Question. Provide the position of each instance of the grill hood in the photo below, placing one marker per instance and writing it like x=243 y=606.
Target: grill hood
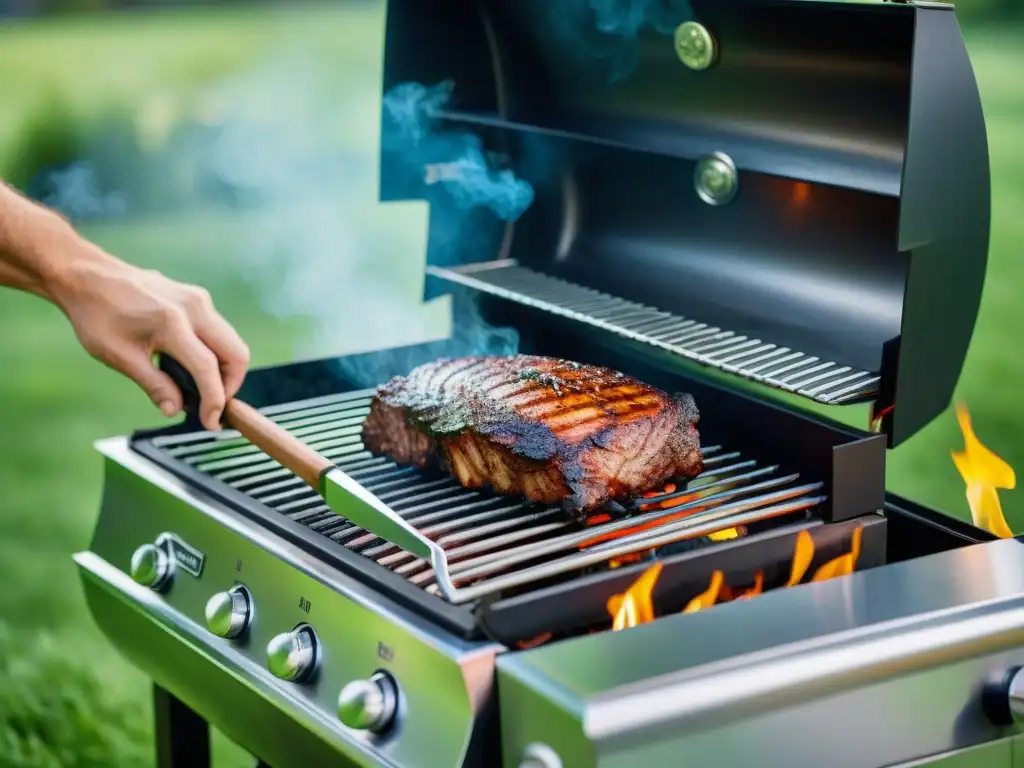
x=810 y=211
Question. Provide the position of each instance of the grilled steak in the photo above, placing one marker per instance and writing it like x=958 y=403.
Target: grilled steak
x=550 y=430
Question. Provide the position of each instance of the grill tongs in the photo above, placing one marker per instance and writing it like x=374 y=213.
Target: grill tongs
x=342 y=494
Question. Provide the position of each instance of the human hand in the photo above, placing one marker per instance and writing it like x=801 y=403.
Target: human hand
x=123 y=316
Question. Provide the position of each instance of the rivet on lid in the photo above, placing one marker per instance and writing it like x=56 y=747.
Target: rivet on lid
x=694 y=45
x=716 y=179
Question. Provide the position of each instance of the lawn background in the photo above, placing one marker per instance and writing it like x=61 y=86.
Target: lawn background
x=65 y=698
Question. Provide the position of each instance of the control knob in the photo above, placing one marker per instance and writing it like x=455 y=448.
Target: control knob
x=369 y=705
x=1002 y=697
x=151 y=566
x=228 y=613
x=540 y=756
x=293 y=655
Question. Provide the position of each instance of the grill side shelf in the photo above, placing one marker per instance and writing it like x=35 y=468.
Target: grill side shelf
x=719 y=348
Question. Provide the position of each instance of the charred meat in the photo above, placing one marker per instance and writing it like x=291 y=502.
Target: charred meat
x=550 y=430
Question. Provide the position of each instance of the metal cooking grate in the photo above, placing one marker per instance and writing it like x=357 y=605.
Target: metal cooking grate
x=753 y=359
x=493 y=543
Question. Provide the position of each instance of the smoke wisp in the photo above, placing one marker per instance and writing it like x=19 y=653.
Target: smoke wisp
x=292 y=162
x=470 y=195
x=606 y=34
x=454 y=159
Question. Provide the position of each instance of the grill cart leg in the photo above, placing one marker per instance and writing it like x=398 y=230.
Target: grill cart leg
x=182 y=736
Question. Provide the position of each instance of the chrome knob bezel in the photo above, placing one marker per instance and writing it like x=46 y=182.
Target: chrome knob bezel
x=294 y=656
x=151 y=567
x=538 y=755
x=1015 y=695
x=229 y=614
x=369 y=705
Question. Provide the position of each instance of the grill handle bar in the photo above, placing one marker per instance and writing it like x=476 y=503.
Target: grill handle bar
x=343 y=496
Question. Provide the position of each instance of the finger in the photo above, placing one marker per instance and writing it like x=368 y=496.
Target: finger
x=158 y=385
x=233 y=353
x=181 y=342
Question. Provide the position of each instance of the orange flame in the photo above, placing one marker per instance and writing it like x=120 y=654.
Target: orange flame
x=803 y=554
x=842 y=565
x=756 y=589
x=603 y=517
x=729 y=594
x=632 y=557
x=709 y=597
x=801 y=193
x=983 y=472
x=534 y=642
x=634 y=606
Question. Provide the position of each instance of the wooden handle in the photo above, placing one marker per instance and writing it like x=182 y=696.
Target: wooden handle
x=276 y=442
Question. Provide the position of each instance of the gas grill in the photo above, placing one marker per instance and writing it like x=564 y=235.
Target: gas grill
x=735 y=200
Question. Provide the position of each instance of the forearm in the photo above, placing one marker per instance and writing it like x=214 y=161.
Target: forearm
x=38 y=248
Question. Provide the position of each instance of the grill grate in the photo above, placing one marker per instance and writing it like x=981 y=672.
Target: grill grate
x=760 y=361
x=493 y=543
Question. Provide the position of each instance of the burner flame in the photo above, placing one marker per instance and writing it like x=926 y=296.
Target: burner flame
x=983 y=473
x=708 y=597
x=842 y=565
x=635 y=606
x=803 y=554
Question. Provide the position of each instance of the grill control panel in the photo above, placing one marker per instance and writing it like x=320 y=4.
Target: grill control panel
x=323 y=658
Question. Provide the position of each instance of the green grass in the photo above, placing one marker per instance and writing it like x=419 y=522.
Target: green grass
x=66 y=699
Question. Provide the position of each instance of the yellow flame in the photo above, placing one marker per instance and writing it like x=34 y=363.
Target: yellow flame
x=843 y=565
x=709 y=597
x=634 y=606
x=728 y=533
x=983 y=472
x=803 y=554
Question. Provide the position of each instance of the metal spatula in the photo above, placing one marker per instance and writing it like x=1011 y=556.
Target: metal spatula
x=342 y=494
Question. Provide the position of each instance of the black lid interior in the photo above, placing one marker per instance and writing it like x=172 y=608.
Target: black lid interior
x=858 y=234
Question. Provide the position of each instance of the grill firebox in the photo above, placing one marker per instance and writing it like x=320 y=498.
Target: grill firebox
x=498 y=546
x=513 y=562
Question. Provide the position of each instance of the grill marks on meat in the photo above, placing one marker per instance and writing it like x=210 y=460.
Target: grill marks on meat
x=550 y=430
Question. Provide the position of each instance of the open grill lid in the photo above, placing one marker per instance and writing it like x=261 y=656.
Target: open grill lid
x=793 y=192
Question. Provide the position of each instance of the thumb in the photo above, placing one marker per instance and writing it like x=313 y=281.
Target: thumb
x=158 y=385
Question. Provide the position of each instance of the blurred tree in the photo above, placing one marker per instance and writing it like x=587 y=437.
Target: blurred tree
x=73 y=6
x=15 y=8
x=1014 y=8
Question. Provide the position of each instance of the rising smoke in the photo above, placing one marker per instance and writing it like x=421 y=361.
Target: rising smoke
x=300 y=159
x=279 y=150
x=468 y=194
x=605 y=34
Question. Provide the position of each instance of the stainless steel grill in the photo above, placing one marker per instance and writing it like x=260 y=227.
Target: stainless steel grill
x=761 y=361
x=493 y=543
